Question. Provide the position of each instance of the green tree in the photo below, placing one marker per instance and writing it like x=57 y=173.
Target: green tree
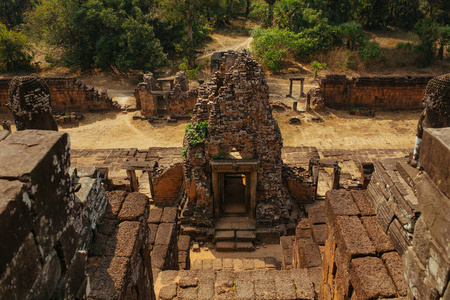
x=14 y=50
x=428 y=32
x=294 y=16
x=261 y=11
x=100 y=33
x=404 y=13
x=351 y=34
x=444 y=40
x=372 y=13
x=12 y=11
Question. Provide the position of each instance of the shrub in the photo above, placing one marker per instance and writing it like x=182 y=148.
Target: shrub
x=191 y=74
x=197 y=133
x=261 y=12
x=318 y=66
x=14 y=51
x=370 y=52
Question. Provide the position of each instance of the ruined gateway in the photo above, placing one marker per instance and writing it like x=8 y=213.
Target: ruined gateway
x=77 y=233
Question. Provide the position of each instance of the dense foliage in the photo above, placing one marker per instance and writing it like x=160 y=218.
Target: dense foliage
x=14 y=50
x=307 y=28
x=141 y=34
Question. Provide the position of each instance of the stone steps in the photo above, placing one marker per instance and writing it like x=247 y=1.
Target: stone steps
x=234 y=264
x=234 y=234
x=229 y=284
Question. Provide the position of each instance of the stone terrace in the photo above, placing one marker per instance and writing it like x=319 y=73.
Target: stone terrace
x=298 y=156
x=256 y=284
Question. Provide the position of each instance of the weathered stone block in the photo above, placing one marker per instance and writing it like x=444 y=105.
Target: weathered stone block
x=115 y=200
x=303 y=283
x=439 y=266
x=435 y=156
x=376 y=234
x=339 y=203
x=399 y=236
x=188 y=278
x=363 y=204
x=153 y=228
x=165 y=234
x=319 y=232
x=394 y=266
x=352 y=236
x=370 y=278
x=126 y=241
x=184 y=242
x=134 y=208
x=435 y=208
x=15 y=219
x=169 y=214
x=110 y=279
x=420 y=285
x=25 y=262
x=317 y=215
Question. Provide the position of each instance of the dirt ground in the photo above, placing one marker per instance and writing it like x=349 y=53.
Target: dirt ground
x=338 y=129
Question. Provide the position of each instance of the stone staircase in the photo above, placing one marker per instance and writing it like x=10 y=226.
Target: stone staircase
x=234 y=234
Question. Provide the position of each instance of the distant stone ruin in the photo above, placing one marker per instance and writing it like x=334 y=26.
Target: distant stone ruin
x=382 y=93
x=154 y=98
x=242 y=139
x=30 y=103
x=68 y=95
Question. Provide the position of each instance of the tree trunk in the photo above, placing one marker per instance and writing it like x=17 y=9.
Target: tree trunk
x=441 y=52
x=189 y=24
x=247 y=9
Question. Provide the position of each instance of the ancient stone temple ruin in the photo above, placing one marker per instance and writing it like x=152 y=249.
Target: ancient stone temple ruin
x=30 y=103
x=234 y=138
x=72 y=226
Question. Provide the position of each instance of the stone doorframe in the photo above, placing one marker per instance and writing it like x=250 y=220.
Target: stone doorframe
x=245 y=166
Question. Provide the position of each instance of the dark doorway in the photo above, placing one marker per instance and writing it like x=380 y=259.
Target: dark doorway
x=234 y=194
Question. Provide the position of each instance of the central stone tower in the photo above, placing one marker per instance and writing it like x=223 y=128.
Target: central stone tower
x=232 y=149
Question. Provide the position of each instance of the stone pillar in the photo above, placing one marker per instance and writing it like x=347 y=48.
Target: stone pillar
x=216 y=191
x=134 y=183
x=290 y=88
x=253 y=183
x=301 y=88
x=308 y=102
x=294 y=106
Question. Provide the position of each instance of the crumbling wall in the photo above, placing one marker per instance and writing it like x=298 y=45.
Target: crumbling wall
x=47 y=217
x=67 y=94
x=388 y=93
x=359 y=261
x=236 y=106
x=167 y=183
x=413 y=208
x=299 y=184
x=120 y=262
x=180 y=100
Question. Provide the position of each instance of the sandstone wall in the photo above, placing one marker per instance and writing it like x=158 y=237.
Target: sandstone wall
x=359 y=262
x=167 y=183
x=120 y=262
x=413 y=208
x=387 y=93
x=67 y=94
x=46 y=224
x=179 y=101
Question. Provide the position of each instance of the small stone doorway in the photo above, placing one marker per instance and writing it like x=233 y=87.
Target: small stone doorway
x=235 y=198
x=239 y=194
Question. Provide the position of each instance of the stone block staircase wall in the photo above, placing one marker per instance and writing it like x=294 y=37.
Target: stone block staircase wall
x=234 y=234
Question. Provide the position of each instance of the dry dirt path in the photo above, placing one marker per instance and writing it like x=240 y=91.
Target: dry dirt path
x=221 y=42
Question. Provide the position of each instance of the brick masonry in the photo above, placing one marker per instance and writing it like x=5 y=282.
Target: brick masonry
x=387 y=93
x=67 y=94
